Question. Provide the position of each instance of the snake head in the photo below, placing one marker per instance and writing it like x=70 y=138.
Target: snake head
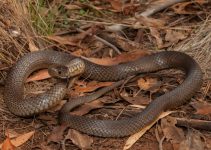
x=73 y=68
x=58 y=71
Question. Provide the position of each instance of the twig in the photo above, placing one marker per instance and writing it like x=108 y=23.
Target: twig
x=156 y=8
x=194 y=123
x=161 y=143
x=148 y=12
x=103 y=41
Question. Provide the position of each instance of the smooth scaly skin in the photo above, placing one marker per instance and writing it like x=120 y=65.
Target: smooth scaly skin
x=15 y=101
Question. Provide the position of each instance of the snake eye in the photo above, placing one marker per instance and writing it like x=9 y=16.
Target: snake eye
x=59 y=72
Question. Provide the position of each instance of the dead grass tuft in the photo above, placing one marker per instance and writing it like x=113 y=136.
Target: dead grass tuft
x=199 y=46
x=15 y=31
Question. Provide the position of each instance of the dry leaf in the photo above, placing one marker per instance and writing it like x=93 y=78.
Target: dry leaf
x=202 y=108
x=12 y=134
x=193 y=141
x=84 y=109
x=57 y=134
x=18 y=141
x=174 y=36
x=7 y=145
x=148 y=22
x=180 y=8
x=116 y=4
x=122 y=58
x=171 y=132
x=133 y=138
x=147 y=83
x=40 y=75
x=70 y=40
x=92 y=86
x=83 y=141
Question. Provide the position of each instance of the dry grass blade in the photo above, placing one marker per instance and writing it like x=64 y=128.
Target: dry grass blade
x=133 y=138
x=199 y=46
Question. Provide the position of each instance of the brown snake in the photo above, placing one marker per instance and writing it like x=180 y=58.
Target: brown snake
x=17 y=104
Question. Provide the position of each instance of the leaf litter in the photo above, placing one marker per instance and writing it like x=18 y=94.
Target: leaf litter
x=157 y=32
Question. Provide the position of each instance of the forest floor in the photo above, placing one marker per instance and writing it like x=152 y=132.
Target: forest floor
x=108 y=33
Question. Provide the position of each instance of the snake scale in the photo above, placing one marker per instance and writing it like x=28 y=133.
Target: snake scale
x=21 y=106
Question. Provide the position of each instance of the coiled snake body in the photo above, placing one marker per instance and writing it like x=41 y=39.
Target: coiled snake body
x=17 y=104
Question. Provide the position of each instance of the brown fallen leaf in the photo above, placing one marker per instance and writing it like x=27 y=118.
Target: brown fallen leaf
x=174 y=36
x=193 y=141
x=116 y=4
x=91 y=86
x=148 y=83
x=18 y=141
x=40 y=75
x=180 y=8
x=172 y=133
x=57 y=134
x=12 y=133
x=122 y=58
x=84 y=109
x=7 y=145
x=203 y=108
x=83 y=141
x=133 y=138
x=70 y=40
x=149 y=22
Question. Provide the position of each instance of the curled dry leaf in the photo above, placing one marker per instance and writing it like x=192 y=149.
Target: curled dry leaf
x=70 y=40
x=7 y=145
x=174 y=36
x=91 y=86
x=122 y=58
x=148 y=83
x=193 y=141
x=180 y=8
x=171 y=132
x=202 y=108
x=133 y=138
x=83 y=141
x=18 y=141
x=57 y=134
x=116 y=4
x=40 y=75
x=149 y=22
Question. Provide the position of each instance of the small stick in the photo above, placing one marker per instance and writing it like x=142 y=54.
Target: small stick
x=194 y=123
x=148 y=12
x=103 y=41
